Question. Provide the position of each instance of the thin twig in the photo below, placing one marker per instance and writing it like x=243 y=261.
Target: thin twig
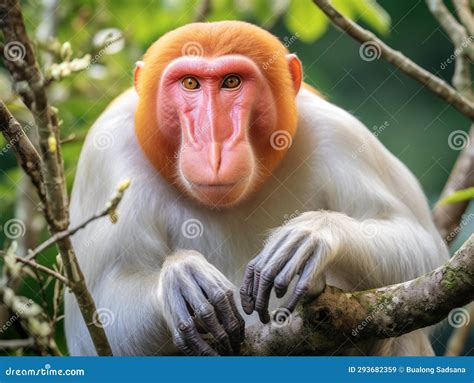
x=13 y=344
x=462 y=45
x=109 y=209
x=463 y=9
x=37 y=266
x=27 y=155
x=399 y=60
x=30 y=84
x=203 y=10
x=448 y=22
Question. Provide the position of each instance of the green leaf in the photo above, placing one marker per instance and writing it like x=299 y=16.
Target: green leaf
x=305 y=20
x=373 y=14
x=458 y=196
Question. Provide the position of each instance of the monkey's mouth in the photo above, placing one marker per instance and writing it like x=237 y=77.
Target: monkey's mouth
x=217 y=186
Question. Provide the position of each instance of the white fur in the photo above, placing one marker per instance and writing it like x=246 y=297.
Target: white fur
x=334 y=164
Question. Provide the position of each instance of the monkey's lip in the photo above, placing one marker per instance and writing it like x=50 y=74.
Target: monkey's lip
x=211 y=185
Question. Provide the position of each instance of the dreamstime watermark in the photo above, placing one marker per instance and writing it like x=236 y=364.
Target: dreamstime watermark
x=192 y=228
x=192 y=48
x=95 y=236
x=369 y=228
x=188 y=322
x=458 y=317
x=44 y=371
x=467 y=41
x=104 y=49
x=464 y=222
x=369 y=318
x=14 y=229
x=370 y=51
x=376 y=131
x=103 y=140
x=103 y=317
x=288 y=217
x=281 y=317
x=458 y=140
x=287 y=42
x=14 y=140
x=16 y=315
x=14 y=51
x=197 y=134
x=281 y=140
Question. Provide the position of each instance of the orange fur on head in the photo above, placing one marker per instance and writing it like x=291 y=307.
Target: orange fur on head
x=212 y=40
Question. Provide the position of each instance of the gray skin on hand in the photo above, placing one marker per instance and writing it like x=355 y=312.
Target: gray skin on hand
x=289 y=252
x=198 y=299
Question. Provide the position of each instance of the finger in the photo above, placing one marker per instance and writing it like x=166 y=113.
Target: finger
x=247 y=286
x=275 y=265
x=220 y=295
x=304 y=282
x=186 y=336
x=194 y=341
x=238 y=316
x=289 y=271
x=275 y=243
x=230 y=320
x=206 y=314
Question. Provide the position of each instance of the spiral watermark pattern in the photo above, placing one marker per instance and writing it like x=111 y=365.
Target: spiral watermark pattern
x=458 y=140
x=192 y=48
x=192 y=228
x=458 y=317
x=369 y=228
x=281 y=317
x=14 y=51
x=103 y=140
x=281 y=140
x=370 y=51
x=103 y=317
x=14 y=228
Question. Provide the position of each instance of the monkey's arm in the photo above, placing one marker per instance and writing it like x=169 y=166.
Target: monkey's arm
x=376 y=230
x=146 y=311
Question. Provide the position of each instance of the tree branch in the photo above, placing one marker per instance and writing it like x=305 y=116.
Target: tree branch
x=21 y=61
x=448 y=218
x=399 y=60
x=463 y=9
x=26 y=153
x=391 y=311
x=448 y=22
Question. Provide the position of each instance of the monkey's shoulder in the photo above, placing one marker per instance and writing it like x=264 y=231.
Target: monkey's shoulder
x=334 y=131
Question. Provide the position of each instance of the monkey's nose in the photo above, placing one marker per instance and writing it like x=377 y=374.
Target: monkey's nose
x=215 y=156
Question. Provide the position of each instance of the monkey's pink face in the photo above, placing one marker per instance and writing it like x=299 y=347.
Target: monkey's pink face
x=215 y=111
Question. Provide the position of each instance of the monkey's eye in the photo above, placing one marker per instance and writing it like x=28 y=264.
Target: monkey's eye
x=190 y=83
x=232 y=81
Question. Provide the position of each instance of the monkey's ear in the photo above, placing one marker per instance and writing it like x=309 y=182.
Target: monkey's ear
x=138 y=65
x=296 y=70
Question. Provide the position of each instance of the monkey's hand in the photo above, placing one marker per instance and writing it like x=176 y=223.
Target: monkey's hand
x=195 y=295
x=304 y=247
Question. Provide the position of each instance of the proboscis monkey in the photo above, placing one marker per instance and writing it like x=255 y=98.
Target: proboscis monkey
x=240 y=177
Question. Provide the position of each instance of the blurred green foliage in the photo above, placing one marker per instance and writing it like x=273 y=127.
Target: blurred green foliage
x=459 y=196
x=418 y=123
